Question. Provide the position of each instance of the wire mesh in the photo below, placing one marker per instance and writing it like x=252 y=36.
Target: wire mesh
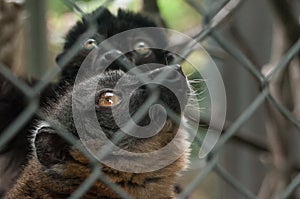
x=213 y=20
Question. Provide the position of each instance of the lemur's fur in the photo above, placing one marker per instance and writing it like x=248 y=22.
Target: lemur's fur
x=58 y=168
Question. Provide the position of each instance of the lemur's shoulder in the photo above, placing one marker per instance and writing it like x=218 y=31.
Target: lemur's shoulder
x=24 y=186
x=63 y=180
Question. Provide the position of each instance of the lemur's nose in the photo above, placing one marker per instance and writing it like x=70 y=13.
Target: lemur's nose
x=172 y=85
x=116 y=60
x=112 y=55
x=178 y=68
x=168 y=74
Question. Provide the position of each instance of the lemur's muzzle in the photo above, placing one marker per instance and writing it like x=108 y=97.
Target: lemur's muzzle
x=116 y=60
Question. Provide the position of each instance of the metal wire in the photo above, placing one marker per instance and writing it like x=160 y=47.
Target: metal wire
x=213 y=21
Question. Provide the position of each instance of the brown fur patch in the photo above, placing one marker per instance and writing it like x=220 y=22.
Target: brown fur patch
x=63 y=179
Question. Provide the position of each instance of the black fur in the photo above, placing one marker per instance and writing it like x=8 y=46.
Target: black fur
x=108 y=25
x=12 y=101
x=51 y=148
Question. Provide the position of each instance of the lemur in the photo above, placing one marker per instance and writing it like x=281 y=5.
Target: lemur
x=57 y=168
x=55 y=161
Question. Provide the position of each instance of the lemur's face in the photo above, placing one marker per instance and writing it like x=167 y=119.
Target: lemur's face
x=118 y=98
x=135 y=48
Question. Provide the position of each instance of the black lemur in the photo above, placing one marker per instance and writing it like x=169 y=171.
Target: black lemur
x=57 y=168
x=16 y=152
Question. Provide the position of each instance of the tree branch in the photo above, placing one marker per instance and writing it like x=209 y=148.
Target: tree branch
x=284 y=12
x=12 y=36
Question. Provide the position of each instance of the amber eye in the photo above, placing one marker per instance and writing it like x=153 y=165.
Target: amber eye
x=142 y=48
x=108 y=99
x=90 y=44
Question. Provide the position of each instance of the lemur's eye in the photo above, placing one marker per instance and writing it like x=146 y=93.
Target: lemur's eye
x=108 y=99
x=142 y=48
x=90 y=44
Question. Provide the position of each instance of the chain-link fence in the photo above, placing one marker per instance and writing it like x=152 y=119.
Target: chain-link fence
x=272 y=81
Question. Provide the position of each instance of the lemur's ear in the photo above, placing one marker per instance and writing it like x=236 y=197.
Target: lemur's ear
x=50 y=148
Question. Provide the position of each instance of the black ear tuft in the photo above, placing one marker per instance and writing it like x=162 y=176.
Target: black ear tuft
x=135 y=20
x=50 y=148
x=102 y=14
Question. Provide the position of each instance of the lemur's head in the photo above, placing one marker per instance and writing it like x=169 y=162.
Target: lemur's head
x=96 y=27
x=119 y=100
